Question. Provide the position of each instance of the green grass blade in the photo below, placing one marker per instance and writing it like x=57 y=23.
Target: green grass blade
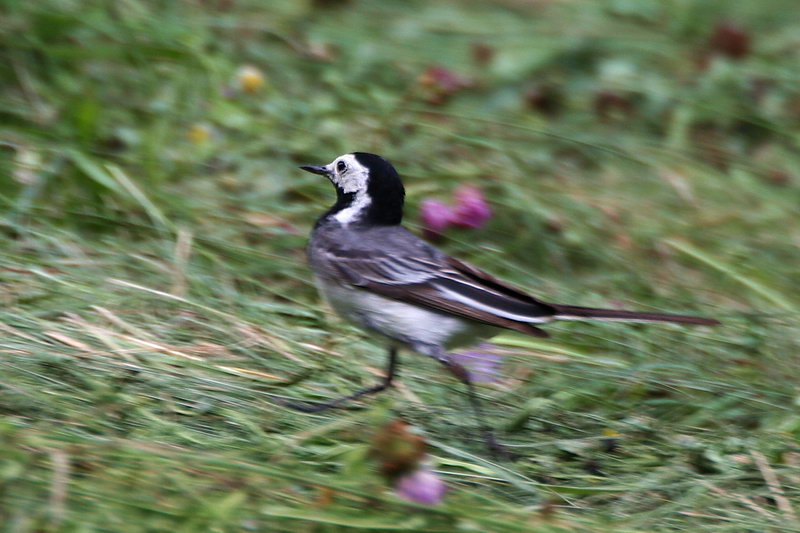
x=765 y=292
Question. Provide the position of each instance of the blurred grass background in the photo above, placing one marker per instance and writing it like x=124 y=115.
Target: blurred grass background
x=155 y=294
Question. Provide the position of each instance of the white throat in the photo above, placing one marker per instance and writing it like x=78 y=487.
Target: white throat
x=355 y=210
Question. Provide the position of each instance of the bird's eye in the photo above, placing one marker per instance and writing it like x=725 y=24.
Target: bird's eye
x=341 y=166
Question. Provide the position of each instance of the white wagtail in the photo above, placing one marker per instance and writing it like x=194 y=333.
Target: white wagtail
x=380 y=276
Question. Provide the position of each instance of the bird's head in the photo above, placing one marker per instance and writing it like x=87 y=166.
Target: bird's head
x=368 y=189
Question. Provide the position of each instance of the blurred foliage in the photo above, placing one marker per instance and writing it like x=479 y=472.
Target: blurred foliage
x=155 y=294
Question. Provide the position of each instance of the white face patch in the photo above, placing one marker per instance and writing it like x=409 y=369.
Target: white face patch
x=351 y=177
x=348 y=174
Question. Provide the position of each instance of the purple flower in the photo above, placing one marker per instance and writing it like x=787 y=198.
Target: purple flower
x=421 y=486
x=471 y=209
x=481 y=364
x=435 y=217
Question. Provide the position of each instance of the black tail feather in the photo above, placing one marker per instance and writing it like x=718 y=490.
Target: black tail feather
x=572 y=312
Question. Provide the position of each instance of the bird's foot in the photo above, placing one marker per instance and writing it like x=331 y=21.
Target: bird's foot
x=497 y=450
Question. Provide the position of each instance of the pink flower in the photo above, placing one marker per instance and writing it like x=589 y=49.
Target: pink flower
x=421 y=486
x=435 y=217
x=471 y=209
x=401 y=457
x=438 y=84
x=481 y=364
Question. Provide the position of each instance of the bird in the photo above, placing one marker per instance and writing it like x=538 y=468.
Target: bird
x=380 y=276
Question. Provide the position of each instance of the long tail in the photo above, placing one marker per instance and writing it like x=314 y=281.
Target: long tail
x=572 y=312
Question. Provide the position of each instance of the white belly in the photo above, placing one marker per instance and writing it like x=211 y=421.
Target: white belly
x=405 y=323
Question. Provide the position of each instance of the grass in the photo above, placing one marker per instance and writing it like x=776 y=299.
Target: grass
x=156 y=298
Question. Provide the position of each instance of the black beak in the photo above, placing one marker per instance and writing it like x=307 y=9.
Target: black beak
x=321 y=170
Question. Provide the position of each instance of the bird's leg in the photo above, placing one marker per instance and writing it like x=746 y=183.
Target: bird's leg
x=495 y=448
x=315 y=407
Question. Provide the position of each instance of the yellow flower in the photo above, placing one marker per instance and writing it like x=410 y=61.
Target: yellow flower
x=199 y=133
x=250 y=79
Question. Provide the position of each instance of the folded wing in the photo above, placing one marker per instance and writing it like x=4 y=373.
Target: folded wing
x=443 y=284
